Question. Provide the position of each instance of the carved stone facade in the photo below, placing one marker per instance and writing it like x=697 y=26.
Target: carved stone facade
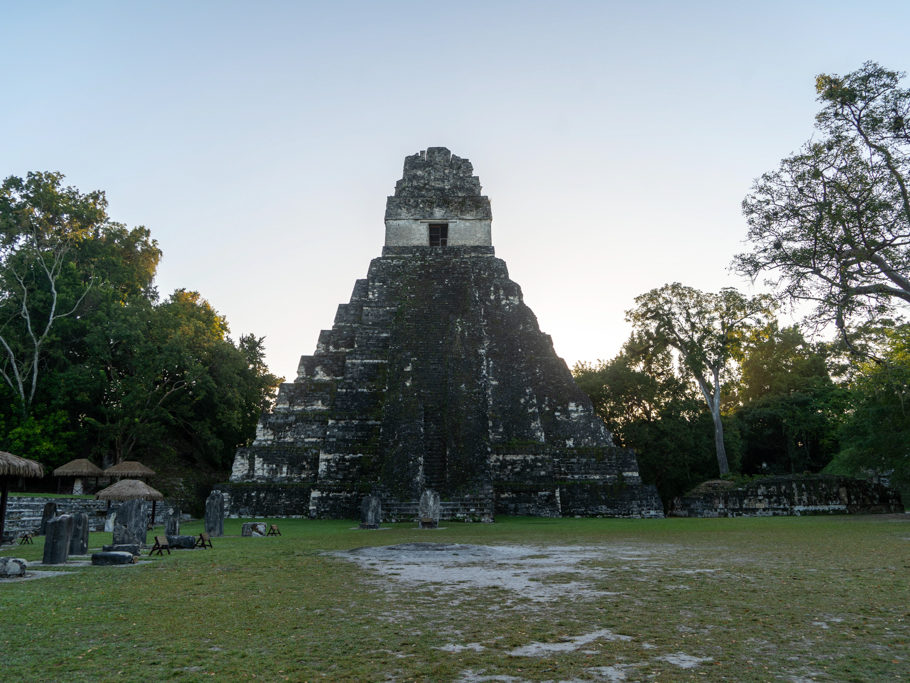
x=435 y=376
x=437 y=189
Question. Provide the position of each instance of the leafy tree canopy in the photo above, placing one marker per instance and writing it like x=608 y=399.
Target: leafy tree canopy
x=706 y=329
x=103 y=369
x=832 y=224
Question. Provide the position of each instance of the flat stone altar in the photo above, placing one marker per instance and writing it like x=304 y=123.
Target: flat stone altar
x=435 y=376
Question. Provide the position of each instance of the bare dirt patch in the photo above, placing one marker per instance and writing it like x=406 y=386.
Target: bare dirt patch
x=534 y=573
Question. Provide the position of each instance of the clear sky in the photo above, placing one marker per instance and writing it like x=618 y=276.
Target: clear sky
x=258 y=140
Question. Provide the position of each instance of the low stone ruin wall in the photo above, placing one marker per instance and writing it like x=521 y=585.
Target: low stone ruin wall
x=578 y=499
x=789 y=495
x=23 y=513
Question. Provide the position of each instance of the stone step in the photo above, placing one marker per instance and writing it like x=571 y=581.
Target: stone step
x=464 y=510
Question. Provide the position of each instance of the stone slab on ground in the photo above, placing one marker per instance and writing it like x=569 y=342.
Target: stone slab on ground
x=112 y=557
x=132 y=548
x=182 y=542
x=253 y=529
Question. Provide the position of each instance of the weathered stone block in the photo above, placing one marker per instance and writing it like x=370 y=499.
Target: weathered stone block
x=79 y=539
x=214 y=514
x=172 y=521
x=132 y=548
x=184 y=542
x=11 y=567
x=58 y=532
x=787 y=495
x=428 y=510
x=50 y=511
x=253 y=529
x=370 y=512
x=131 y=523
x=112 y=557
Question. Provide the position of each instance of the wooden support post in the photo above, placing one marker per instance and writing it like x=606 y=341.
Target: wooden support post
x=4 y=497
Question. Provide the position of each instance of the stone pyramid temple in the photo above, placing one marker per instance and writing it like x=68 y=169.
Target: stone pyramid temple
x=435 y=376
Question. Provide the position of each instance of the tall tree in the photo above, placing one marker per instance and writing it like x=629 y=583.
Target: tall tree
x=41 y=223
x=832 y=224
x=706 y=329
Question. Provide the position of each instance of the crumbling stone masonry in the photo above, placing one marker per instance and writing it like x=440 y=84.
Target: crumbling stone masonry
x=816 y=494
x=435 y=376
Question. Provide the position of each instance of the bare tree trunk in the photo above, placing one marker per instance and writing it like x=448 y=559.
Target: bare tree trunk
x=713 y=401
x=722 y=463
x=4 y=498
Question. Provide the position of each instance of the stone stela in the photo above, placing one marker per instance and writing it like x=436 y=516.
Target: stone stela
x=435 y=376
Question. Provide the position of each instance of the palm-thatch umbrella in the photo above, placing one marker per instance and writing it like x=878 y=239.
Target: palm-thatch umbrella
x=132 y=469
x=14 y=466
x=78 y=469
x=130 y=489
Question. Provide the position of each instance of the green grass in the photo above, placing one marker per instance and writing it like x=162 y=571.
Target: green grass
x=813 y=598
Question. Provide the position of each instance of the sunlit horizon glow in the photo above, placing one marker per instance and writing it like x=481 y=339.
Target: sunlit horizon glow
x=258 y=143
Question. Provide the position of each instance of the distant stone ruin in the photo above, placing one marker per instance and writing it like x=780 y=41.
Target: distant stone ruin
x=817 y=494
x=435 y=376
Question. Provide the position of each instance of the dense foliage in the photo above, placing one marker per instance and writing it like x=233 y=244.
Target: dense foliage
x=95 y=365
x=781 y=411
x=876 y=432
x=706 y=330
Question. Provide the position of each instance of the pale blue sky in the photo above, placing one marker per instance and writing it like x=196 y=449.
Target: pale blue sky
x=258 y=141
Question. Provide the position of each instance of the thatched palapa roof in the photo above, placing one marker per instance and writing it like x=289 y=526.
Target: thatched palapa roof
x=79 y=468
x=129 y=489
x=129 y=468
x=19 y=467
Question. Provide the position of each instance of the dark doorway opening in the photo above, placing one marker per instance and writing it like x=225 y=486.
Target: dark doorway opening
x=439 y=234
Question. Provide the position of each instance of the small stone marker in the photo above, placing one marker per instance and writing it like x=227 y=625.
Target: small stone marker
x=112 y=557
x=428 y=509
x=253 y=529
x=370 y=512
x=188 y=542
x=79 y=539
x=214 y=514
x=172 y=521
x=57 y=539
x=109 y=520
x=131 y=548
x=50 y=511
x=12 y=566
x=131 y=523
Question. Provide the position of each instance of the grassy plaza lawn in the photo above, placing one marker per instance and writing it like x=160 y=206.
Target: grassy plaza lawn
x=793 y=599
